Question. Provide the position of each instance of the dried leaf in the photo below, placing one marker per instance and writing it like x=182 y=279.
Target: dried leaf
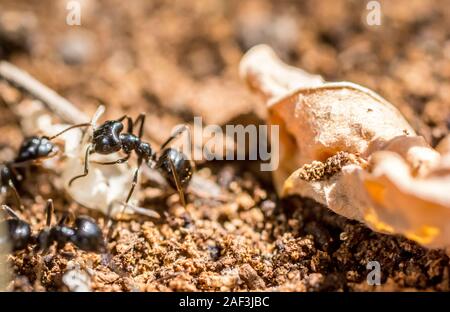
x=350 y=149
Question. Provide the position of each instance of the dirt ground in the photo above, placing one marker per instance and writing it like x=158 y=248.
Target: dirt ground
x=179 y=59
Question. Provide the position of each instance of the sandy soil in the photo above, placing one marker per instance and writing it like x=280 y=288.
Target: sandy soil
x=180 y=60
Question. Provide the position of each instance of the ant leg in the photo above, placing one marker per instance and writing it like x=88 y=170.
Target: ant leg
x=141 y=119
x=129 y=122
x=121 y=118
x=49 y=209
x=109 y=222
x=70 y=128
x=16 y=195
x=176 y=134
x=115 y=162
x=16 y=173
x=66 y=216
x=11 y=212
x=24 y=163
x=86 y=165
x=133 y=184
x=177 y=182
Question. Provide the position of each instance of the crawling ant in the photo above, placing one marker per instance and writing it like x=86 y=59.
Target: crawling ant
x=35 y=148
x=85 y=234
x=109 y=138
x=32 y=149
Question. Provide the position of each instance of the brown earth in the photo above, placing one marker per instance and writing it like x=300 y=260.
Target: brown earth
x=179 y=60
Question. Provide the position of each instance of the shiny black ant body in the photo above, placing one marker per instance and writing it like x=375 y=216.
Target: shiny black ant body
x=32 y=149
x=86 y=234
x=109 y=138
x=35 y=148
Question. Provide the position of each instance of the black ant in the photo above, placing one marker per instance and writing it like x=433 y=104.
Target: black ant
x=108 y=138
x=86 y=234
x=35 y=148
x=32 y=149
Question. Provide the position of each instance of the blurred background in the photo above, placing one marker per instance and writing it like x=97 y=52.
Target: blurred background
x=179 y=59
x=175 y=60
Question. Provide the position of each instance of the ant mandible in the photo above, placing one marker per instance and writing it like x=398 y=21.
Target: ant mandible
x=86 y=234
x=108 y=138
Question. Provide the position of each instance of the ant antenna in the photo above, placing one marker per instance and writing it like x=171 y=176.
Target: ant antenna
x=176 y=134
x=16 y=195
x=177 y=182
x=49 y=212
x=69 y=128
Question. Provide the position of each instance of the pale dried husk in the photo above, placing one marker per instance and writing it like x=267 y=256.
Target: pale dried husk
x=400 y=185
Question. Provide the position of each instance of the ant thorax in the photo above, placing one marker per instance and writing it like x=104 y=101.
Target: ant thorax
x=129 y=141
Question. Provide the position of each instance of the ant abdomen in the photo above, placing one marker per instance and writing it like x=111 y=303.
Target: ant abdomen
x=181 y=163
x=88 y=236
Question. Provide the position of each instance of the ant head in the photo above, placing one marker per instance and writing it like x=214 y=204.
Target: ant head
x=34 y=148
x=106 y=137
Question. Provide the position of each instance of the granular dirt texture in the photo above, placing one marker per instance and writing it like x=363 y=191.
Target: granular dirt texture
x=176 y=60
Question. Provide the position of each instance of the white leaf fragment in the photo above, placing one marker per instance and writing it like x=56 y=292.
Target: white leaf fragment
x=399 y=185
